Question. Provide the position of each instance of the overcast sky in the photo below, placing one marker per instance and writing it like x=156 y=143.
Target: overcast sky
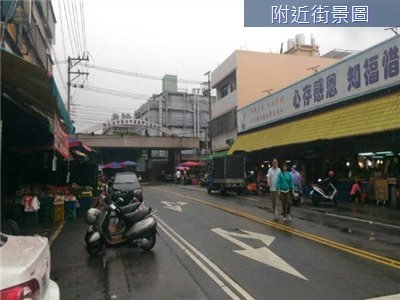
x=158 y=37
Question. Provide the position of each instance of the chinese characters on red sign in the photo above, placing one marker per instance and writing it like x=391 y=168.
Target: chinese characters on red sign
x=61 y=139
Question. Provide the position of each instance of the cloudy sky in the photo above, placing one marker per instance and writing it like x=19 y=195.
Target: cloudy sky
x=157 y=37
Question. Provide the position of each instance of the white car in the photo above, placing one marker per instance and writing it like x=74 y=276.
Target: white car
x=25 y=269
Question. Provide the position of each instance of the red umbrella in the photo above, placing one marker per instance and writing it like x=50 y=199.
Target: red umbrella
x=181 y=168
x=191 y=164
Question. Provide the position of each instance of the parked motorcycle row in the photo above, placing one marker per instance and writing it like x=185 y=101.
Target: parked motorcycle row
x=120 y=221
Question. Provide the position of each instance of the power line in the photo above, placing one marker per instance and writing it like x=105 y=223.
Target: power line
x=73 y=50
x=62 y=30
x=101 y=107
x=59 y=70
x=134 y=74
x=76 y=21
x=83 y=24
x=73 y=26
x=132 y=96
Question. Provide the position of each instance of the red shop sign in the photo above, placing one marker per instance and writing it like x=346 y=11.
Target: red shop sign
x=61 y=139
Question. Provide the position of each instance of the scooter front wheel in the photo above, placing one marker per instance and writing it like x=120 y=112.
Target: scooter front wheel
x=151 y=237
x=95 y=248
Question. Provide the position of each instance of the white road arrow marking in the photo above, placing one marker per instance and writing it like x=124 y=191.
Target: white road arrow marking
x=176 y=206
x=390 y=297
x=263 y=254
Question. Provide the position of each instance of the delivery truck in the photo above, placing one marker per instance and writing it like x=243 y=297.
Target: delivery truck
x=227 y=174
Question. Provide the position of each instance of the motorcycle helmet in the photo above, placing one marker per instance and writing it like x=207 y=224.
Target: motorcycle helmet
x=330 y=173
x=92 y=215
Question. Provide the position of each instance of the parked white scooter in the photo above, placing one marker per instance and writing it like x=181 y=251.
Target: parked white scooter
x=324 y=191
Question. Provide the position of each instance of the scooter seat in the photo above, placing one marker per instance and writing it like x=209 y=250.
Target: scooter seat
x=129 y=208
x=137 y=215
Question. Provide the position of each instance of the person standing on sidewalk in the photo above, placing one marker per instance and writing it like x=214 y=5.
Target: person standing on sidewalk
x=272 y=179
x=296 y=178
x=285 y=188
x=178 y=176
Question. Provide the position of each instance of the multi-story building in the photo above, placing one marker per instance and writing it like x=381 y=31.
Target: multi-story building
x=246 y=76
x=29 y=30
x=183 y=114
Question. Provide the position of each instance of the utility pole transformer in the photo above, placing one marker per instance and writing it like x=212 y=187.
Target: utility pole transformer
x=72 y=62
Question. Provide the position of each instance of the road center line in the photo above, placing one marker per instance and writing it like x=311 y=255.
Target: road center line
x=358 y=252
x=201 y=260
x=327 y=213
x=203 y=190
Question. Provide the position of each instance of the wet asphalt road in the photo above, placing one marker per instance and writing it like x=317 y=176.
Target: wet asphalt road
x=203 y=252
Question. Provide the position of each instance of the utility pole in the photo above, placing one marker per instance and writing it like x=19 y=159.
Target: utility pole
x=207 y=91
x=72 y=62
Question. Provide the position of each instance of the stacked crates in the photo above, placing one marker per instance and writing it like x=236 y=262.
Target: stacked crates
x=58 y=212
x=46 y=211
x=84 y=205
x=70 y=210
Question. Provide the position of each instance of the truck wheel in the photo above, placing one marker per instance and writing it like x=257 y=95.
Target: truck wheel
x=222 y=191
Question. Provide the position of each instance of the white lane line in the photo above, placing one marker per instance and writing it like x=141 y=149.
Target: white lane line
x=247 y=198
x=203 y=190
x=189 y=248
x=227 y=290
x=193 y=188
x=390 y=297
x=362 y=220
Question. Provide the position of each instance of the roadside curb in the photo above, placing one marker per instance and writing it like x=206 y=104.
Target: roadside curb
x=117 y=285
x=54 y=234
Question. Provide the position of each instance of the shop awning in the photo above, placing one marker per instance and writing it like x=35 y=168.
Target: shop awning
x=217 y=154
x=30 y=86
x=378 y=115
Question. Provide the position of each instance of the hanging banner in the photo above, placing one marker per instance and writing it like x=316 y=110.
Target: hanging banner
x=375 y=69
x=61 y=139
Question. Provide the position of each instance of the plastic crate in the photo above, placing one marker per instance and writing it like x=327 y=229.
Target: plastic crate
x=58 y=212
x=84 y=205
x=46 y=213
x=70 y=210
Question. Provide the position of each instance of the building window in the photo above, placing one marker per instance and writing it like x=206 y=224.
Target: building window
x=232 y=85
x=224 y=90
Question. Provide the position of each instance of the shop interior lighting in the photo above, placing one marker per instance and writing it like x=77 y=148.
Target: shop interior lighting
x=384 y=153
x=366 y=154
x=369 y=163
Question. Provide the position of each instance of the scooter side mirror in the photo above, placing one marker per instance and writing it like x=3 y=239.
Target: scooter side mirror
x=120 y=200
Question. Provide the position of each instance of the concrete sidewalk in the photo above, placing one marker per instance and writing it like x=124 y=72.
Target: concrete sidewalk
x=78 y=275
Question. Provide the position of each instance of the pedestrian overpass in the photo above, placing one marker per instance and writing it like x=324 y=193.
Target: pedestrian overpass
x=139 y=142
